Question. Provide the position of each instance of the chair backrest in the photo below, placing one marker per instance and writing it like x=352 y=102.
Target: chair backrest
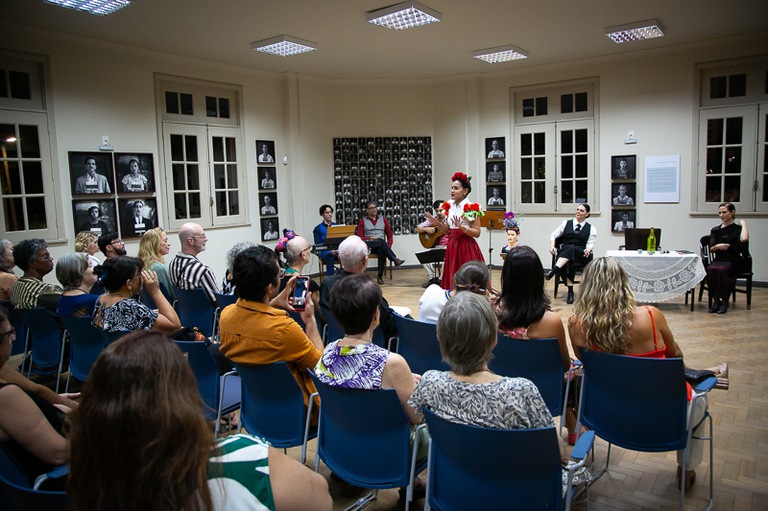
x=469 y=467
x=272 y=404
x=538 y=360
x=224 y=300
x=637 y=238
x=205 y=369
x=146 y=299
x=634 y=402
x=417 y=343
x=18 y=323
x=110 y=337
x=85 y=345
x=195 y=309
x=16 y=492
x=45 y=337
x=97 y=289
x=364 y=436
x=706 y=255
x=333 y=330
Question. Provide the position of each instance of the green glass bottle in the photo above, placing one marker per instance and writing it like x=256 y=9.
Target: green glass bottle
x=651 y=245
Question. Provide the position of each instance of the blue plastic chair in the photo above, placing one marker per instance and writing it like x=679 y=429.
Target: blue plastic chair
x=469 y=467
x=224 y=301
x=46 y=341
x=18 y=323
x=195 y=309
x=417 y=343
x=220 y=394
x=272 y=406
x=18 y=494
x=86 y=343
x=640 y=404
x=334 y=332
x=364 y=438
x=538 y=360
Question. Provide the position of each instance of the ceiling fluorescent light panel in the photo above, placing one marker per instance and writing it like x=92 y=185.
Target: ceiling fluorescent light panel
x=403 y=15
x=500 y=54
x=97 y=7
x=649 y=29
x=284 y=46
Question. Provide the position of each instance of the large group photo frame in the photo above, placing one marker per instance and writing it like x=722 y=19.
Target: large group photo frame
x=135 y=173
x=91 y=173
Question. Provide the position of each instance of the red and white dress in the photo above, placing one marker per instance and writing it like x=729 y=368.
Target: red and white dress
x=461 y=246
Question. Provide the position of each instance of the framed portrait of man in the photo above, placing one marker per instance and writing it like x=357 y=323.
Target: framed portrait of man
x=623 y=195
x=96 y=216
x=265 y=150
x=496 y=197
x=624 y=167
x=137 y=216
x=495 y=172
x=267 y=178
x=268 y=203
x=135 y=173
x=622 y=219
x=270 y=229
x=91 y=173
x=495 y=148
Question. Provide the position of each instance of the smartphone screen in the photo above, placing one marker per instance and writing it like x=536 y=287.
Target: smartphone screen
x=300 y=292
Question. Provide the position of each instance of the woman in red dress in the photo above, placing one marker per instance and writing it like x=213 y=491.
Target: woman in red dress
x=463 y=226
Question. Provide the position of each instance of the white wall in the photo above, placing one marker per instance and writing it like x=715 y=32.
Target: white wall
x=105 y=89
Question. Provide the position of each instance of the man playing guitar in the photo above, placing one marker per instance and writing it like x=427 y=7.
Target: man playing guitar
x=432 y=238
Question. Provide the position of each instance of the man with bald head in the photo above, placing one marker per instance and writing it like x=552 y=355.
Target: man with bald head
x=187 y=271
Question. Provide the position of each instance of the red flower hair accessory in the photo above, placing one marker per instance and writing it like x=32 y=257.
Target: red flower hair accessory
x=460 y=176
x=446 y=207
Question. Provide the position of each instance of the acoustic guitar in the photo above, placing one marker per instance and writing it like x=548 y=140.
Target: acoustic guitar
x=430 y=240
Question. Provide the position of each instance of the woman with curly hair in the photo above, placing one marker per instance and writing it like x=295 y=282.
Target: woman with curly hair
x=140 y=434
x=153 y=248
x=606 y=318
x=88 y=243
x=462 y=229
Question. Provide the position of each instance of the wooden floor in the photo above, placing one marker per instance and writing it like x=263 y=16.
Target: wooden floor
x=643 y=481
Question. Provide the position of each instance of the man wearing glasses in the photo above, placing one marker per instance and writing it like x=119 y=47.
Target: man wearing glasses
x=377 y=234
x=187 y=271
x=111 y=245
x=30 y=291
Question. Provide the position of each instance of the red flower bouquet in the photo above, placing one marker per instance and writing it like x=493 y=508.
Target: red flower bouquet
x=472 y=210
x=446 y=207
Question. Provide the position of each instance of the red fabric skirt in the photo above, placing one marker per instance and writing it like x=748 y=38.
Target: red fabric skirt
x=460 y=249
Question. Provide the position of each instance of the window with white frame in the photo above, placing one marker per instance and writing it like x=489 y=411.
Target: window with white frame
x=553 y=160
x=27 y=182
x=732 y=136
x=203 y=157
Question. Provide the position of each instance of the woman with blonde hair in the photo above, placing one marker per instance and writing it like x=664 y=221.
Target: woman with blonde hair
x=139 y=432
x=87 y=242
x=153 y=248
x=606 y=318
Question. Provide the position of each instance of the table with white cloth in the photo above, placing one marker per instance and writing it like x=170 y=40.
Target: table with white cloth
x=659 y=277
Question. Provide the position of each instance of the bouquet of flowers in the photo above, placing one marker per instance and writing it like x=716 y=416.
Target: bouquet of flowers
x=510 y=222
x=472 y=210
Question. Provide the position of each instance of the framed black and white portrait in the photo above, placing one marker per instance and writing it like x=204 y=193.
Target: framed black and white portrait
x=135 y=172
x=623 y=194
x=495 y=172
x=268 y=203
x=91 y=173
x=496 y=196
x=494 y=148
x=265 y=149
x=137 y=216
x=624 y=167
x=267 y=178
x=622 y=219
x=96 y=216
x=270 y=229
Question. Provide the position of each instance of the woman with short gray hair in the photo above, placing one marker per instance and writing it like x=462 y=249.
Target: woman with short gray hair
x=7 y=277
x=227 y=285
x=75 y=274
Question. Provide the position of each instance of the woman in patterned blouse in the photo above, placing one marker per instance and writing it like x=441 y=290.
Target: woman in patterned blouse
x=117 y=310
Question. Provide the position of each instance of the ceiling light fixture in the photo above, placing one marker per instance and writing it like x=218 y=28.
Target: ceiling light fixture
x=500 y=54
x=403 y=15
x=97 y=7
x=635 y=31
x=284 y=46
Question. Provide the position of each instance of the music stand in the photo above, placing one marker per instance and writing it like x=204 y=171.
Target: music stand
x=433 y=255
x=492 y=220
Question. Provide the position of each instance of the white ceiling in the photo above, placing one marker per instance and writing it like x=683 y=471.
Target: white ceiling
x=550 y=31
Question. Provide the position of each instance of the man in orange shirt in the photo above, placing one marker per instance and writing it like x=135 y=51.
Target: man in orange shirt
x=256 y=331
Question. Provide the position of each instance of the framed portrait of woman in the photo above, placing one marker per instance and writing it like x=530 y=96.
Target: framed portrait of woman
x=135 y=173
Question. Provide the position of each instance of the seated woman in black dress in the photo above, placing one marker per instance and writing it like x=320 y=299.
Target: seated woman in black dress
x=577 y=241
x=725 y=243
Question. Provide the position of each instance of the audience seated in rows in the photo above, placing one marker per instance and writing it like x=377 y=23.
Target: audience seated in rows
x=29 y=292
x=139 y=433
x=257 y=329
x=117 y=310
x=472 y=276
x=75 y=273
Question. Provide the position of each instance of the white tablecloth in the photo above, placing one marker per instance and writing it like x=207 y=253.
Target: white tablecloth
x=660 y=277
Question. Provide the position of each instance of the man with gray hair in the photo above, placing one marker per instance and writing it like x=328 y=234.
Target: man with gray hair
x=353 y=253
x=187 y=271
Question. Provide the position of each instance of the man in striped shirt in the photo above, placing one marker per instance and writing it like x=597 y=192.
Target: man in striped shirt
x=187 y=272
